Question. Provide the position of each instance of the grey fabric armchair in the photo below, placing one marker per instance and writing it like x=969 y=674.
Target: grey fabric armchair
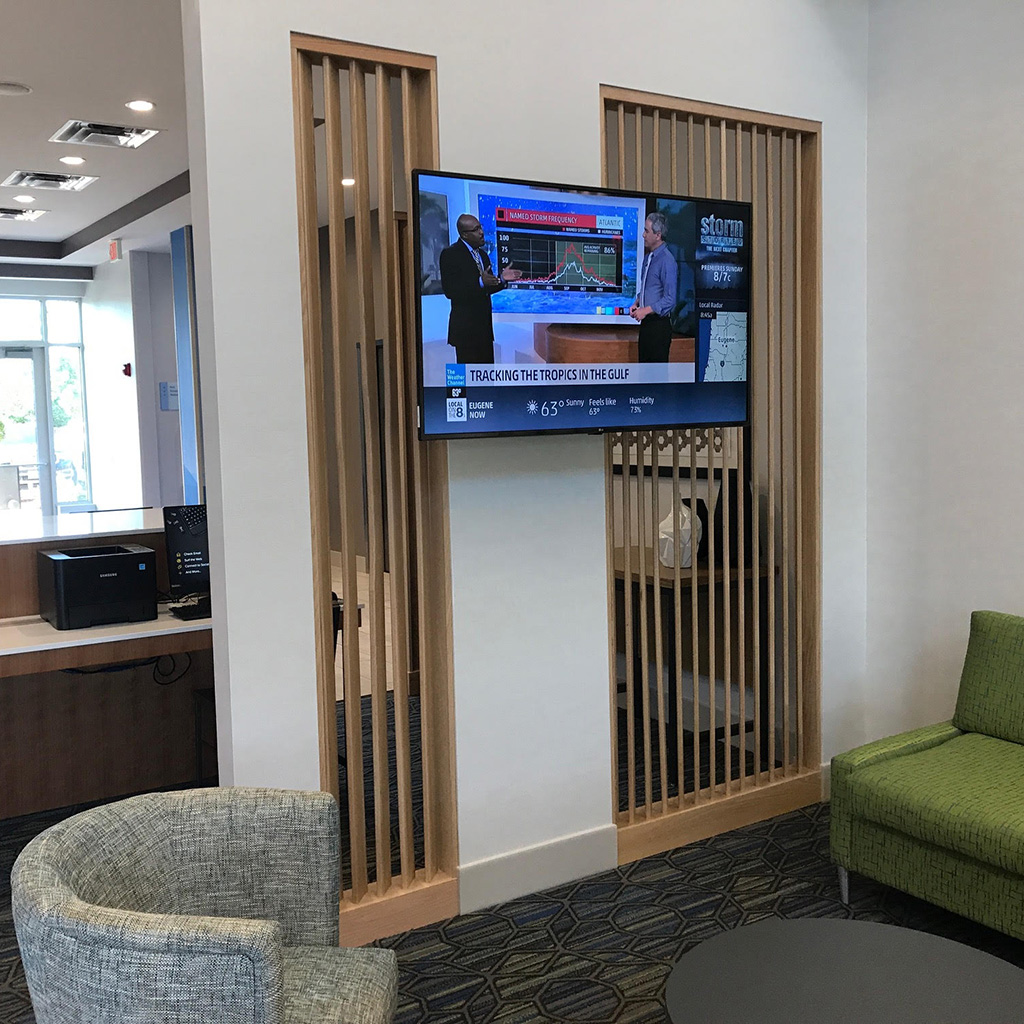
x=210 y=906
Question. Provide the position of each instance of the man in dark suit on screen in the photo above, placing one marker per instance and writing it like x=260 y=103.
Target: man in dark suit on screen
x=468 y=280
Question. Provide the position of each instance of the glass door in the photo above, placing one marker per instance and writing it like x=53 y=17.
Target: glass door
x=26 y=463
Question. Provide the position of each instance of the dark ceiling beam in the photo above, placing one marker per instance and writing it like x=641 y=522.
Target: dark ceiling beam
x=18 y=250
x=108 y=226
x=44 y=272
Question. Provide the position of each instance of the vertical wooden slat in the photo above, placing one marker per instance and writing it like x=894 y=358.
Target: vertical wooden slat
x=656 y=146
x=741 y=603
x=797 y=420
x=694 y=590
x=659 y=633
x=689 y=164
x=727 y=567
x=638 y=151
x=784 y=476
x=622 y=147
x=613 y=682
x=395 y=463
x=645 y=659
x=312 y=335
x=627 y=560
x=712 y=620
x=723 y=156
x=674 y=142
x=375 y=510
x=810 y=442
x=741 y=549
x=677 y=599
x=695 y=614
x=770 y=394
x=605 y=110
x=349 y=484
x=754 y=473
x=707 y=157
x=412 y=147
x=419 y=147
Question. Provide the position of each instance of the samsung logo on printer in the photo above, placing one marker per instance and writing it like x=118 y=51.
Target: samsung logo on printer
x=106 y=575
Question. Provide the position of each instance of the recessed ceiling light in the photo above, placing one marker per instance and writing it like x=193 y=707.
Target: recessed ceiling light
x=140 y=106
x=14 y=89
x=24 y=199
x=348 y=182
x=72 y=161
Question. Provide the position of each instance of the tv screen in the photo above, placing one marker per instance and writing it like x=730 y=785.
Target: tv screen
x=547 y=308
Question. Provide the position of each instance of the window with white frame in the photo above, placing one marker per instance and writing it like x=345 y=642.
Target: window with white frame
x=44 y=441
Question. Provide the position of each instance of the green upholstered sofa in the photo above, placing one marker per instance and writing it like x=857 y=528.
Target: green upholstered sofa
x=938 y=812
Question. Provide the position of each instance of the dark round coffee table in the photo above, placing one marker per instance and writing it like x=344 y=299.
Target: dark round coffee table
x=837 y=971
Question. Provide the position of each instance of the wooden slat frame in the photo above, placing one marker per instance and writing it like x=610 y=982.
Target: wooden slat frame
x=347 y=450
x=416 y=517
x=312 y=332
x=785 y=366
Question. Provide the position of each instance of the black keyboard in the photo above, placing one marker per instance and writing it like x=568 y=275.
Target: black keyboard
x=192 y=518
x=197 y=609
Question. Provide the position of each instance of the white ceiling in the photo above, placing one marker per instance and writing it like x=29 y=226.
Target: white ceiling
x=85 y=59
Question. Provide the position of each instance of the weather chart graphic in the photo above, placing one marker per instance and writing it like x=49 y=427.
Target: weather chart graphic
x=560 y=251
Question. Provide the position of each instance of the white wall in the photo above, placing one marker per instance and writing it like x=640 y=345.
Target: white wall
x=945 y=351
x=108 y=341
x=527 y=517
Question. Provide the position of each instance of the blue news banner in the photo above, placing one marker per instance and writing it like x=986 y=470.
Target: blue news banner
x=485 y=399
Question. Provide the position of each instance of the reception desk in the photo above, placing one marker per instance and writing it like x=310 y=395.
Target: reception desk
x=86 y=713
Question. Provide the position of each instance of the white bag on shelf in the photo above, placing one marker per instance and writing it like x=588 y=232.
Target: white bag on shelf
x=667 y=536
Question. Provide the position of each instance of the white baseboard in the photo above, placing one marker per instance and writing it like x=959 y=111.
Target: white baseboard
x=826 y=781
x=520 y=872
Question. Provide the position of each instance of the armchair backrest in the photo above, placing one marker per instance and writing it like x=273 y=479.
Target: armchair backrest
x=175 y=906
x=991 y=696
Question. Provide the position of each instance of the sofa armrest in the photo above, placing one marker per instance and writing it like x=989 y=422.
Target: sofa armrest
x=844 y=765
x=113 y=965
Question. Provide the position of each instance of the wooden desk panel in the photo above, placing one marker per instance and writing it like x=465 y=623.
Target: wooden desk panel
x=67 y=738
x=577 y=343
x=19 y=592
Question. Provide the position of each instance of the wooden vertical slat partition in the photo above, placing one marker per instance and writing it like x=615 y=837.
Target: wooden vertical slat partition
x=390 y=552
x=717 y=690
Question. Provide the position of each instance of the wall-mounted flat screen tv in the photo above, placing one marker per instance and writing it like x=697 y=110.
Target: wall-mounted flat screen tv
x=546 y=308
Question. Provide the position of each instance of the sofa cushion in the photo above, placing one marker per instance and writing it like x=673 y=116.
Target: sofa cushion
x=965 y=795
x=991 y=696
x=328 y=985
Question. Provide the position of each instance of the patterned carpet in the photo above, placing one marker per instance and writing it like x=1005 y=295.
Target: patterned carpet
x=599 y=949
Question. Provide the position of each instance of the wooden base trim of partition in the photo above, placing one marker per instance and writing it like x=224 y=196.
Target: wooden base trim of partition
x=399 y=909
x=664 y=832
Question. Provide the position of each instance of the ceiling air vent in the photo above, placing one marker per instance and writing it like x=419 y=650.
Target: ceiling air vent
x=92 y=133
x=47 y=180
x=8 y=214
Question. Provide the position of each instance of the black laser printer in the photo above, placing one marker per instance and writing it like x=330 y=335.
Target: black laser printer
x=94 y=586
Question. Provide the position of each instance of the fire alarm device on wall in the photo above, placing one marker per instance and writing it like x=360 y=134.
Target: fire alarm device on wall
x=127 y=369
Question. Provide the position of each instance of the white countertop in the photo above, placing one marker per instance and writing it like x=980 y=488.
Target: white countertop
x=20 y=526
x=31 y=633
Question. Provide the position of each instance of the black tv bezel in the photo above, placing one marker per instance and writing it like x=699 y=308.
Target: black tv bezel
x=415 y=175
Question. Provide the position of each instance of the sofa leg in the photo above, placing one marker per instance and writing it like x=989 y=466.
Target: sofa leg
x=844 y=885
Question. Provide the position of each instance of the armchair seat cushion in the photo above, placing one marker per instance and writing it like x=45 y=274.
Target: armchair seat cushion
x=328 y=985
x=964 y=795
